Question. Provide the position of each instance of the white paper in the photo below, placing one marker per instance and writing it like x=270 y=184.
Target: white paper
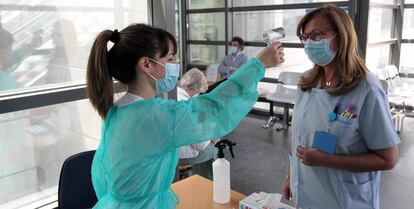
x=212 y=73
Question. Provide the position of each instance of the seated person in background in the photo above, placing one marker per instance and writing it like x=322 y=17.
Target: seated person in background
x=234 y=60
x=7 y=81
x=200 y=155
x=11 y=59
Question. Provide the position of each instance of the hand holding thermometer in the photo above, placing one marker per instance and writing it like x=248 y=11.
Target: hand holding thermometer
x=272 y=36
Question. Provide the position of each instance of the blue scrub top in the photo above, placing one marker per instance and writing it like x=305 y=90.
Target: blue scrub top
x=135 y=163
x=363 y=123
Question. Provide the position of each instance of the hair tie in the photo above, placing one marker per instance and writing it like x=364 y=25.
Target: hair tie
x=115 y=36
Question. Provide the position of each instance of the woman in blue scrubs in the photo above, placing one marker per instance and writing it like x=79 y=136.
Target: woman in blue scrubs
x=340 y=103
x=135 y=163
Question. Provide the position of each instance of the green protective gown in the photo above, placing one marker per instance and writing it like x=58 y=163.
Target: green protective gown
x=135 y=163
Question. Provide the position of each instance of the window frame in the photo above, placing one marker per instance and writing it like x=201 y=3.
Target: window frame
x=228 y=12
x=61 y=93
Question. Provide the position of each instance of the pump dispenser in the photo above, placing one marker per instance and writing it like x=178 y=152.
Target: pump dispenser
x=221 y=173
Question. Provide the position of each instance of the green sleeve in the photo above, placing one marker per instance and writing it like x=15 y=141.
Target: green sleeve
x=217 y=113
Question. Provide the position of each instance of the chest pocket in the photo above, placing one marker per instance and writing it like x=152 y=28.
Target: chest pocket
x=347 y=135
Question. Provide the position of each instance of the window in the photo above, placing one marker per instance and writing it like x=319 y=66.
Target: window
x=203 y=4
x=48 y=49
x=377 y=57
x=36 y=143
x=51 y=40
x=407 y=61
x=380 y=24
x=383 y=1
x=238 y=3
x=380 y=35
x=207 y=26
x=408 y=27
x=206 y=54
x=251 y=25
x=206 y=31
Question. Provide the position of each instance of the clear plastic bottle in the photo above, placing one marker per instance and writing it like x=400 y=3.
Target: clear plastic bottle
x=221 y=173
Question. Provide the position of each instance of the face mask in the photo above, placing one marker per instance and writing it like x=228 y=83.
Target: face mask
x=171 y=73
x=319 y=52
x=234 y=50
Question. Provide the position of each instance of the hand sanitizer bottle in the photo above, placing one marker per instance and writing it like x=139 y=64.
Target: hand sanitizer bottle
x=221 y=173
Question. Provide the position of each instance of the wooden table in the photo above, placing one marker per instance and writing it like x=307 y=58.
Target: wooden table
x=197 y=192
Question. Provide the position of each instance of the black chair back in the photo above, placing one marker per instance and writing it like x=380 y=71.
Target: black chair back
x=75 y=183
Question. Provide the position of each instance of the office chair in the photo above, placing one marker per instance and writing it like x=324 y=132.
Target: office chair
x=75 y=183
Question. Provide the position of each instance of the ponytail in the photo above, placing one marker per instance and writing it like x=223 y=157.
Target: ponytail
x=100 y=88
x=120 y=62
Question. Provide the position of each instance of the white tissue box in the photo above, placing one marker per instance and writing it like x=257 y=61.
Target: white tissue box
x=263 y=200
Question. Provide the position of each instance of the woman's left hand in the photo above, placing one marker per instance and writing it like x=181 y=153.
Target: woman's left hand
x=310 y=156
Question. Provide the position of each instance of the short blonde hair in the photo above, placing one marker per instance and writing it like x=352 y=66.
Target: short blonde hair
x=194 y=79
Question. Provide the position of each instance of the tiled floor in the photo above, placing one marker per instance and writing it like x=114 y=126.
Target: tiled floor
x=261 y=163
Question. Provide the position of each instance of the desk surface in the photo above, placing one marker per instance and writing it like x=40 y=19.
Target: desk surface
x=197 y=192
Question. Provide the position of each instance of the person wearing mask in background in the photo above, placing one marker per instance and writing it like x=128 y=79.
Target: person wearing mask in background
x=23 y=51
x=10 y=59
x=233 y=61
x=7 y=81
x=135 y=163
x=342 y=105
x=201 y=155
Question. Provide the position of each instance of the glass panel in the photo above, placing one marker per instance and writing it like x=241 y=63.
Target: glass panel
x=238 y=3
x=406 y=60
x=202 y=4
x=383 y=1
x=295 y=60
x=178 y=29
x=251 y=25
x=408 y=27
x=207 y=26
x=377 y=57
x=409 y=1
x=49 y=42
x=36 y=143
x=379 y=24
x=89 y=3
x=206 y=54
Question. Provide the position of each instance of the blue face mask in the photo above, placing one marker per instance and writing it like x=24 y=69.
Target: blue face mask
x=234 y=50
x=171 y=73
x=319 y=52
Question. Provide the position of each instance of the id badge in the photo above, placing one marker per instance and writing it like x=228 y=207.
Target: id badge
x=324 y=141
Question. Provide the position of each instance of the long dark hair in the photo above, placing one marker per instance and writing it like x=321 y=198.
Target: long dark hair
x=132 y=43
